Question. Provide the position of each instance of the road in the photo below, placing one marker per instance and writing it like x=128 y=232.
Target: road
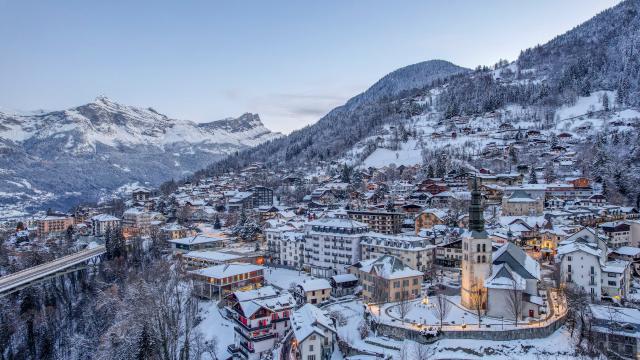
x=17 y=279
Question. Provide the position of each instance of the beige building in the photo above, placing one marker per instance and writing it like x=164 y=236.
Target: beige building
x=387 y=279
x=414 y=251
x=520 y=203
x=315 y=291
x=53 y=225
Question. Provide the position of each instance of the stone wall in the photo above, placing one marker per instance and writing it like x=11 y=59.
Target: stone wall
x=400 y=333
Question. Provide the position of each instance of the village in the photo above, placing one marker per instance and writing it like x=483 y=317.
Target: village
x=353 y=261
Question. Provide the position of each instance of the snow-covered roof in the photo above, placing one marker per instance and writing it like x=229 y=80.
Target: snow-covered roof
x=388 y=267
x=314 y=284
x=615 y=314
x=337 y=223
x=265 y=291
x=504 y=278
x=104 y=217
x=627 y=251
x=615 y=266
x=212 y=255
x=518 y=260
x=575 y=246
x=310 y=319
x=226 y=270
x=341 y=278
x=197 y=239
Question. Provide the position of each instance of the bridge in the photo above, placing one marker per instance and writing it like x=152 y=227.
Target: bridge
x=66 y=264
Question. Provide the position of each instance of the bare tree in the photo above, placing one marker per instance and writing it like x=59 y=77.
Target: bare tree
x=477 y=297
x=577 y=301
x=441 y=308
x=514 y=301
x=404 y=305
x=420 y=351
x=404 y=351
x=211 y=348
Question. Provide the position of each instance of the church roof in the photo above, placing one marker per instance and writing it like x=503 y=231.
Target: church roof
x=503 y=277
x=517 y=260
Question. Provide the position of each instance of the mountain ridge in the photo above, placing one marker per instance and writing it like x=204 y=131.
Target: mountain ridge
x=84 y=153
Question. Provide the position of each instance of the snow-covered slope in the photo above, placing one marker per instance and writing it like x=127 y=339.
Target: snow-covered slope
x=87 y=151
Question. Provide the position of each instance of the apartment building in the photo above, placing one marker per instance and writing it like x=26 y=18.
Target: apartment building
x=379 y=221
x=332 y=244
x=100 y=224
x=414 y=251
x=51 y=224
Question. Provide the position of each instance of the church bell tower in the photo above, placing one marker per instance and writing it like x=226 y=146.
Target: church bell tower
x=476 y=255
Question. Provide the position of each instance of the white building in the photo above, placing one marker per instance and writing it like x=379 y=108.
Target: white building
x=582 y=259
x=314 y=334
x=415 y=251
x=332 y=244
x=100 y=224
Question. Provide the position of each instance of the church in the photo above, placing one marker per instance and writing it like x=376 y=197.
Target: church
x=501 y=283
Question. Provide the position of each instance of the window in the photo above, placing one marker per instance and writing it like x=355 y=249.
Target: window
x=612 y=283
x=311 y=347
x=484 y=248
x=478 y=248
x=568 y=258
x=415 y=281
x=311 y=357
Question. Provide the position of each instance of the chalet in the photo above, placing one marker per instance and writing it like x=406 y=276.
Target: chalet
x=343 y=285
x=430 y=217
x=262 y=318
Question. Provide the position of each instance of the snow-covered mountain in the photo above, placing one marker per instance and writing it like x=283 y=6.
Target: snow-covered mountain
x=82 y=152
x=596 y=57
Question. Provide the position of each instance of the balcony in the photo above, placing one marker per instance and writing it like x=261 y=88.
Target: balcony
x=247 y=327
x=252 y=338
x=234 y=349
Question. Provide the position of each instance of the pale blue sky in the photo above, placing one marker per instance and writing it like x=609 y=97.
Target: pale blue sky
x=289 y=61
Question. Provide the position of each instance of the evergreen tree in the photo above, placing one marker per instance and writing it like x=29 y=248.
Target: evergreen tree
x=145 y=344
x=605 y=102
x=533 y=178
x=216 y=223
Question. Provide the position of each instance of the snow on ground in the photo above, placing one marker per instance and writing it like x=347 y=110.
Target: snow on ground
x=283 y=278
x=409 y=154
x=556 y=346
x=585 y=104
x=214 y=325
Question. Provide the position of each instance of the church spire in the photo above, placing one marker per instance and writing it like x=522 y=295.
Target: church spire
x=476 y=218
